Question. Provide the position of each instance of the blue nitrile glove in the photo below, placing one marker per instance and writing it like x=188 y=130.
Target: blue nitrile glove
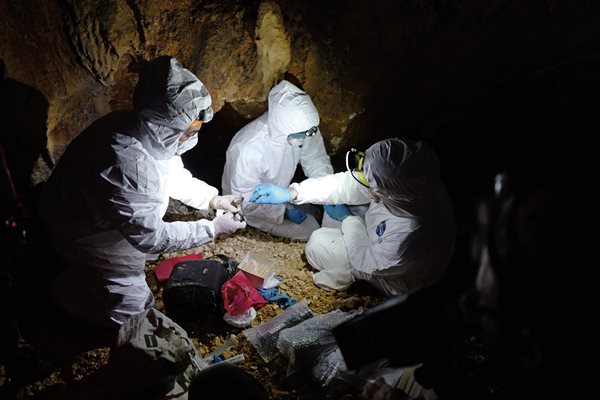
x=267 y=193
x=273 y=295
x=339 y=212
x=295 y=215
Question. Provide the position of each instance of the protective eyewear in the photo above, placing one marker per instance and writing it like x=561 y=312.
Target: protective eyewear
x=192 y=130
x=194 y=127
x=196 y=124
x=311 y=132
x=354 y=164
x=204 y=116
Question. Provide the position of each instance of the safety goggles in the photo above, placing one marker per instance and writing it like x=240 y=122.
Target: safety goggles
x=195 y=125
x=204 y=116
x=311 y=132
x=192 y=130
x=354 y=164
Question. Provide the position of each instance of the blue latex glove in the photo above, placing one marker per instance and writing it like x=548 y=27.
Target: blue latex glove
x=267 y=193
x=294 y=215
x=273 y=295
x=338 y=212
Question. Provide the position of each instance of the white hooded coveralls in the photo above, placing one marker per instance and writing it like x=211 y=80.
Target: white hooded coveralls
x=405 y=240
x=260 y=153
x=104 y=203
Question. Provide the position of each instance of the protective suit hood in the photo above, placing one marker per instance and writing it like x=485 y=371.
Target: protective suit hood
x=290 y=111
x=167 y=98
x=403 y=173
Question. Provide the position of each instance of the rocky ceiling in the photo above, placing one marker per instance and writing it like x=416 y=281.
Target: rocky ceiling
x=454 y=72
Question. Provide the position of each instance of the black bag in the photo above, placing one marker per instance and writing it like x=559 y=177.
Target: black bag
x=192 y=294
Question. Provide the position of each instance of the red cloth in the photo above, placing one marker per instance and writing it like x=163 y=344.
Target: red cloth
x=239 y=295
x=165 y=267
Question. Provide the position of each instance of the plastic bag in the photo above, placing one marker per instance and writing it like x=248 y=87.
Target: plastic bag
x=239 y=295
x=264 y=337
x=258 y=269
x=302 y=343
x=328 y=365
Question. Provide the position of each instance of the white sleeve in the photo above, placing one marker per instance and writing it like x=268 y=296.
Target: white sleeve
x=340 y=188
x=135 y=210
x=187 y=189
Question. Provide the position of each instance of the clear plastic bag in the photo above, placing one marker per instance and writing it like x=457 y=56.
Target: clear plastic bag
x=328 y=365
x=258 y=269
x=303 y=343
x=264 y=337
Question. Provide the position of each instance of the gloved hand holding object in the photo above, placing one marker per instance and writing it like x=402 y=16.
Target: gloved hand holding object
x=295 y=215
x=339 y=212
x=237 y=216
x=267 y=193
x=227 y=202
x=227 y=223
x=237 y=202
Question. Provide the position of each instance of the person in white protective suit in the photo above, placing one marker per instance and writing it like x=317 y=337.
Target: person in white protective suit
x=269 y=149
x=406 y=238
x=104 y=203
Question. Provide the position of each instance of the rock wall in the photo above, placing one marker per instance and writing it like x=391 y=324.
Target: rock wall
x=374 y=69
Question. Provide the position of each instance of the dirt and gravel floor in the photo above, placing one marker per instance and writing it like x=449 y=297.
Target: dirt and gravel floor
x=83 y=378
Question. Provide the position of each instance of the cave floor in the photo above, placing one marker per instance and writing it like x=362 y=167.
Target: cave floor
x=81 y=378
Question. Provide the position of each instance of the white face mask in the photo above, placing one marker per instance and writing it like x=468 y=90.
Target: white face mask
x=187 y=145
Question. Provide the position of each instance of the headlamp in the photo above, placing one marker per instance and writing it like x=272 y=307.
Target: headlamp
x=356 y=158
x=308 y=133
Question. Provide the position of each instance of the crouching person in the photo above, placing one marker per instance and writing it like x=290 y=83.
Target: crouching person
x=406 y=238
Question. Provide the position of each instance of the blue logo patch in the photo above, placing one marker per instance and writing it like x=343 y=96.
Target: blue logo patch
x=380 y=229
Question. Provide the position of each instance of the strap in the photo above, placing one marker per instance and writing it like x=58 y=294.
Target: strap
x=228 y=262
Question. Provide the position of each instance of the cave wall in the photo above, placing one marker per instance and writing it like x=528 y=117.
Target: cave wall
x=429 y=59
x=456 y=73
